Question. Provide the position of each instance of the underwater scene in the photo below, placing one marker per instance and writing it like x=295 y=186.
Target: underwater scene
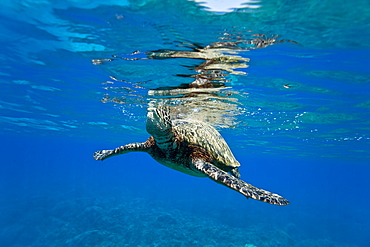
x=238 y=123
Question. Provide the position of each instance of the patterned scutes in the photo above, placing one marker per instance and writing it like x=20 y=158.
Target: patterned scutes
x=204 y=135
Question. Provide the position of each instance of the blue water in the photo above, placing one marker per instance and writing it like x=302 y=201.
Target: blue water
x=297 y=119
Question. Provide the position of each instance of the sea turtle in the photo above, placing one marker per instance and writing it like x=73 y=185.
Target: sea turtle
x=195 y=148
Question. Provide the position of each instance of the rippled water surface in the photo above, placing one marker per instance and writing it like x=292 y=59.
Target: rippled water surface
x=287 y=83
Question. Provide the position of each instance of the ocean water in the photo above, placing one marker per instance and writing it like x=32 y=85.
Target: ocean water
x=291 y=98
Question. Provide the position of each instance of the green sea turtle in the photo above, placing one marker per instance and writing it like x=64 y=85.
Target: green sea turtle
x=195 y=148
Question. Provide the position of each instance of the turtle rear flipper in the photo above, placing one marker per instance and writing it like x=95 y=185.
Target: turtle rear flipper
x=234 y=183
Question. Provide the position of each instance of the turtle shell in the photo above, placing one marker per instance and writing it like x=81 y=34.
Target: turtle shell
x=207 y=137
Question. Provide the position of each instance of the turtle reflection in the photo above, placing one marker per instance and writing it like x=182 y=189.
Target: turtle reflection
x=207 y=97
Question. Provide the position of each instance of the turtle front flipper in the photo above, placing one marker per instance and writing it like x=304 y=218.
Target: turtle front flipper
x=234 y=183
x=132 y=147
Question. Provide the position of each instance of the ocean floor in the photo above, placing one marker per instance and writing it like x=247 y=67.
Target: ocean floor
x=121 y=219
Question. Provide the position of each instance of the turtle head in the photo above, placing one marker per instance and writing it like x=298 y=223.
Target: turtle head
x=158 y=122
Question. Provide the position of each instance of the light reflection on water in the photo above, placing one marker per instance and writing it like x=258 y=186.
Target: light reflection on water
x=228 y=6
